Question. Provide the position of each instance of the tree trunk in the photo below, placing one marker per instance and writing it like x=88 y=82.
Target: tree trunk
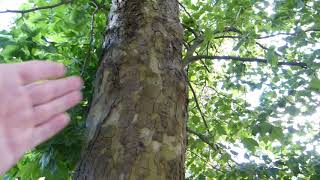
x=137 y=120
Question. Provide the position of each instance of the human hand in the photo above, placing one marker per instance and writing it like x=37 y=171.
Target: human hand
x=31 y=112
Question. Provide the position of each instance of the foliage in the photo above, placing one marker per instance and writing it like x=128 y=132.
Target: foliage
x=63 y=34
x=253 y=68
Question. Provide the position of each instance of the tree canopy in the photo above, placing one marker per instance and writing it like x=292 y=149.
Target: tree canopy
x=253 y=75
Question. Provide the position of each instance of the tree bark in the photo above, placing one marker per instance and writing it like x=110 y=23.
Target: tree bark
x=137 y=120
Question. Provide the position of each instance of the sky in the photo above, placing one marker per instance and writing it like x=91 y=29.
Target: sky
x=6 y=19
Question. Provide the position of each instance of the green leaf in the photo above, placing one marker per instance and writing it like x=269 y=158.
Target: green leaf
x=225 y=157
x=239 y=44
x=315 y=177
x=293 y=110
x=272 y=57
x=201 y=177
x=265 y=128
x=29 y=170
x=315 y=83
x=250 y=144
x=221 y=130
x=300 y=4
x=276 y=133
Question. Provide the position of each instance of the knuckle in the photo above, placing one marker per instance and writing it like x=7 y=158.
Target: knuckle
x=39 y=112
x=44 y=111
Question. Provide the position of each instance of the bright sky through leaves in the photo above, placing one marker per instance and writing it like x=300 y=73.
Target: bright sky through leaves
x=251 y=97
x=261 y=113
x=6 y=19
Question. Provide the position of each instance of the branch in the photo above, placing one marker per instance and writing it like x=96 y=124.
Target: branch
x=217 y=147
x=198 y=107
x=203 y=138
x=91 y=37
x=232 y=29
x=230 y=37
x=228 y=29
x=288 y=34
x=38 y=8
x=185 y=10
x=235 y=58
x=190 y=29
x=205 y=160
x=266 y=49
x=198 y=41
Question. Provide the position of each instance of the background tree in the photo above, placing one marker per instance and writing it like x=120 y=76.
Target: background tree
x=253 y=75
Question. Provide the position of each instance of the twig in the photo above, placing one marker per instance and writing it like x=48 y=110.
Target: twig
x=190 y=29
x=258 y=36
x=38 y=8
x=198 y=107
x=203 y=138
x=265 y=48
x=215 y=147
x=288 y=34
x=91 y=37
x=205 y=66
x=235 y=58
x=203 y=63
x=185 y=10
x=206 y=161
x=197 y=42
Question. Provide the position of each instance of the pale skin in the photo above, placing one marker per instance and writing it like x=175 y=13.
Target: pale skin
x=34 y=98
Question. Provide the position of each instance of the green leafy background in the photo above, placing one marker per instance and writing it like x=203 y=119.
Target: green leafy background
x=252 y=119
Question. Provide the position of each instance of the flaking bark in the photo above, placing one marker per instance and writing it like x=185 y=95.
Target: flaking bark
x=137 y=120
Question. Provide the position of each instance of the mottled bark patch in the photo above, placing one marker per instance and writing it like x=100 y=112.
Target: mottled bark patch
x=136 y=125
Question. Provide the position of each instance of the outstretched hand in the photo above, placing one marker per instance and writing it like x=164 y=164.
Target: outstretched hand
x=33 y=106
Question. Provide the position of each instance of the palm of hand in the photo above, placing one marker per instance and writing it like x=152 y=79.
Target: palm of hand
x=31 y=112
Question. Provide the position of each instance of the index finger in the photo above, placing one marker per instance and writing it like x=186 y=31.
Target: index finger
x=32 y=71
